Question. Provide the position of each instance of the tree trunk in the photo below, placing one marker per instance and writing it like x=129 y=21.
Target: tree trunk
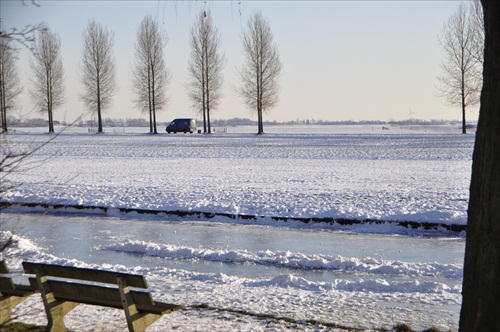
x=464 y=125
x=3 y=106
x=204 y=89
x=99 y=117
x=260 y=124
x=481 y=283
x=149 y=99
x=51 y=122
x=153 y=94
x=208 y=98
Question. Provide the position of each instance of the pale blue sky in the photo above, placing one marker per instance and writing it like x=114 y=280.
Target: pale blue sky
x=343 y=60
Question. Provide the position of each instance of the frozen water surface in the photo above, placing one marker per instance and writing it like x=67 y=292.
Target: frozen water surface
x=293 y=272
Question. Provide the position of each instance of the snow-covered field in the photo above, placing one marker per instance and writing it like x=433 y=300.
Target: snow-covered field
x=418 y=174
x=355 y=176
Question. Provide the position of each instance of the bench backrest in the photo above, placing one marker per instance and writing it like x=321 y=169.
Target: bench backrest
x=54 y=278
x=68 y=272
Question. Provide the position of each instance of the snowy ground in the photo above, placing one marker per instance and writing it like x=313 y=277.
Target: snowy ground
x=355 y=172
x=363 y=176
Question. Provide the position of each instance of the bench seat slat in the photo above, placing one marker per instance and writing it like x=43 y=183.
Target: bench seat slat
x=109 y=277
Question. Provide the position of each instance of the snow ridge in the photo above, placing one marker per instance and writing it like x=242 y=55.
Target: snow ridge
x=290 y=260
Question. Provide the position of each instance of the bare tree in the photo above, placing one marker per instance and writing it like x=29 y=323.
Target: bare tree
x=461 y=40
x=97 y=70
x=262 y=68
x=47 y=73
x=10 y=84
x=205 y=67
x=150 y=72
x=480 y=290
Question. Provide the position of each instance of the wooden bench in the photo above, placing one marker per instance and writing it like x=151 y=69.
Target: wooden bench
x=63 y=288
x=10 y=294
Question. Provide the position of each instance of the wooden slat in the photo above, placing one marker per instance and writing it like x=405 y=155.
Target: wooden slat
x=96 y=295
x=109 y=277
x=18 y=292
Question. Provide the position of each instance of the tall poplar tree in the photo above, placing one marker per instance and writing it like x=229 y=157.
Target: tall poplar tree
x=47 y=77
x=205 y=67
x=97 y=70
x=150 y=72
x=259 y=86
x=10 y=83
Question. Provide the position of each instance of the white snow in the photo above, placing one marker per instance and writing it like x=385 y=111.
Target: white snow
x=290 y=260
x=417 y=174
x=422 y=178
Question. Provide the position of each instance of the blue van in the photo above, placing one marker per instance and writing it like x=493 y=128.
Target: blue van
x=182 y=126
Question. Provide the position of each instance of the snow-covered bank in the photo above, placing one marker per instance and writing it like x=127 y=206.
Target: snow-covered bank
x=368 y=225
x=416 y=178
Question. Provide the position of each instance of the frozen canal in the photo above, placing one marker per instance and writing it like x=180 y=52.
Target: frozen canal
x=407 y=269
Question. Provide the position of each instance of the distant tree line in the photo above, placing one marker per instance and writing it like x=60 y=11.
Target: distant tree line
x=462 y=41
x=259 y=87
x=141 y=122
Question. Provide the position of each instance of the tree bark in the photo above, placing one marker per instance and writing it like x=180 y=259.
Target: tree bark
x=481 y=283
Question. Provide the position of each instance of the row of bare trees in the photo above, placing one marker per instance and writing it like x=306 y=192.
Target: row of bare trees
x=47 y=77
x=259 y=74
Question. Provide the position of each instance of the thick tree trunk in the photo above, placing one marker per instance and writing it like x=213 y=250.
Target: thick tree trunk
x=481 y=284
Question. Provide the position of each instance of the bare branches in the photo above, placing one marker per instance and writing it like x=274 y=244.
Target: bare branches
x=10 y=83
x=462 y=40
x=259 y=74
x=25 y=36
x=151 y=75
x=97 y=70
x=47 y=73
x=205 y=67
